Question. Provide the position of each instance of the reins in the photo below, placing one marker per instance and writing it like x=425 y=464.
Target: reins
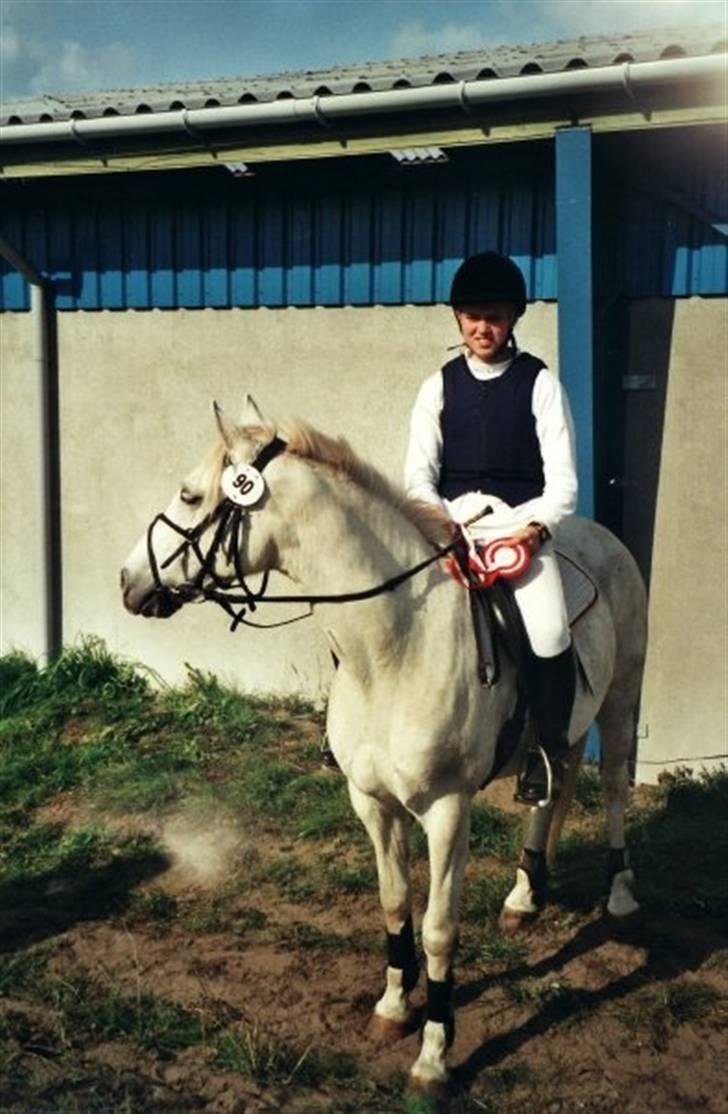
x=232 y=517
x=230 y=523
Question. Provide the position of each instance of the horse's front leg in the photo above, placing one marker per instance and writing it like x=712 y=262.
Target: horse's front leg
x=447 y=823
x=389 y=830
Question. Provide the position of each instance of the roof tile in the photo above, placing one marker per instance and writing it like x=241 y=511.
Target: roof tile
x=498 y=62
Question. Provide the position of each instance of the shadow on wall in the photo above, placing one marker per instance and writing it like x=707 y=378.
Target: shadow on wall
x=633 y=349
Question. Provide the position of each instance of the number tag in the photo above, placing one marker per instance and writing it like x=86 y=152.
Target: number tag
x=243 y=484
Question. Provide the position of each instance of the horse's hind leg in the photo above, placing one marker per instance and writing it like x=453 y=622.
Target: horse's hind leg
x=617 y=735
x=389 y=830
x=528 y=896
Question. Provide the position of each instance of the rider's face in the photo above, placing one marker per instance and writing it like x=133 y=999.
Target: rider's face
x=485 y=327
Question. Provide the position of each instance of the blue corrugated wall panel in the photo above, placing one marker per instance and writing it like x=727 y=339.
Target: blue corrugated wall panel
x=13 y=287
x=390 y=245
x=672 y=253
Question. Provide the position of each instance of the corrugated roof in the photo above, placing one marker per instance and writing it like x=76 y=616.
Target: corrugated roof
x=499 y=62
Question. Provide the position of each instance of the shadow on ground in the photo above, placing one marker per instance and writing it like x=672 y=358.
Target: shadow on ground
x=51 y=903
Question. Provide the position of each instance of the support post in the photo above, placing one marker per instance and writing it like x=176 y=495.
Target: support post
x=48 y=489
x=575 y=293
x=576 y=309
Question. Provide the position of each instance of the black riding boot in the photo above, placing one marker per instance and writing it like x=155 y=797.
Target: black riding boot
x=552 y=689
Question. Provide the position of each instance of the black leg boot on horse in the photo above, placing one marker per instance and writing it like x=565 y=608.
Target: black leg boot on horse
x=552 y=689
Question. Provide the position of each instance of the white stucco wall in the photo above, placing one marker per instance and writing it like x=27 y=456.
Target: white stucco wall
x=684 y=710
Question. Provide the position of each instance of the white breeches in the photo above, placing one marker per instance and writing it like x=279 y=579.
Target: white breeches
x=538 y=592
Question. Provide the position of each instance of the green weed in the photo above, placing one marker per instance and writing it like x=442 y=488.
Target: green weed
x=501 y=953
x=154 y=904
x=687 y=1000
x=22 y=973
x=205 y=915
x=248 y=920
x=154 y=1023
x=83 y=1009
x=351 y=879
x=502 y=1080
x=293 y=879
x=84 y=672
x=419 y=1104
x=492 y=832
x=483 y=898
x=252 y=1051
x=658 y=1010
x=300 y=934
x=588 y=792
x=522 y=992
x=204 y=703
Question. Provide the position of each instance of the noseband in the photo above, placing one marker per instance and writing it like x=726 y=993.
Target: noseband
x=208 y=585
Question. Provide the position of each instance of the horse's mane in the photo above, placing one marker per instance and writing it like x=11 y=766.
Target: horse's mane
x=303 y=441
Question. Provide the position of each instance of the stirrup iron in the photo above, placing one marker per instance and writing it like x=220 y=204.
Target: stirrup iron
x=522 y=795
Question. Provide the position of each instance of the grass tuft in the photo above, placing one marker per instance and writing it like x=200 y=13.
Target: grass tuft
x=493 y=832
x=658 y=1010
x=588 y=791
x=252 y=1051
x=501 y=953
x=483 y=898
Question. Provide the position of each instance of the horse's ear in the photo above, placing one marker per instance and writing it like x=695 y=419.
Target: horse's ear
x=226 y=427
x=251 y=415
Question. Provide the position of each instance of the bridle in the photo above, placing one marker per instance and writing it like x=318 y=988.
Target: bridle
x=237 y=600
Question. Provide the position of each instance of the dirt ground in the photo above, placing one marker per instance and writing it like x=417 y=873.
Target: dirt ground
x=588 y=1018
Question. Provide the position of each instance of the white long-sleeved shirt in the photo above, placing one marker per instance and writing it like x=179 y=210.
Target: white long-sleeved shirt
x=554 y=429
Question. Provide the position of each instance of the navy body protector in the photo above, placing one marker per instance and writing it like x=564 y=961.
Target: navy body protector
x=489 y=439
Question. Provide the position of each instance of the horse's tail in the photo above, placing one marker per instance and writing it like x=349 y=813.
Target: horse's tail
x=566 y=796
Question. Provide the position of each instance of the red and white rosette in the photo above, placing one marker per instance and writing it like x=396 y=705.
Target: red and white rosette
x=506 y=558
x=486 y=564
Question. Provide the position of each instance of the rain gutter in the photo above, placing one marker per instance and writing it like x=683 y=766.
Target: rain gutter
x=628 y=78
x=47 y=480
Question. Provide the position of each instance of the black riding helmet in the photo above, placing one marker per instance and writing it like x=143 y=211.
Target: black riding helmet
x=488 y=277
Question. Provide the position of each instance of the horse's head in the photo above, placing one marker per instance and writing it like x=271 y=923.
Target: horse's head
x=217 y=527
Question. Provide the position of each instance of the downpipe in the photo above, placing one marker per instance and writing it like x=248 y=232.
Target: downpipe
x=47 y=483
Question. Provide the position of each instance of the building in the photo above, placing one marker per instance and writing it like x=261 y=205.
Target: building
x=294 y=236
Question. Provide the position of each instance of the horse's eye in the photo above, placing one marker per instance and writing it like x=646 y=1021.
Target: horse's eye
x=191 y=498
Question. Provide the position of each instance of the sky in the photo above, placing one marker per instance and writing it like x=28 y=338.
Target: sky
x=72 y=46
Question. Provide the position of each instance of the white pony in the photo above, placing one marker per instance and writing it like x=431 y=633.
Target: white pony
x=411 y=725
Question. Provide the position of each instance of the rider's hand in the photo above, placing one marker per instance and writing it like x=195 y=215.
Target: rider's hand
x=530 y=536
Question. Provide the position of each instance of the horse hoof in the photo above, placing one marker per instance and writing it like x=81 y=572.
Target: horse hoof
x=385 y=1030
x=436 y=1090
x=511 y=922
x=624 y=924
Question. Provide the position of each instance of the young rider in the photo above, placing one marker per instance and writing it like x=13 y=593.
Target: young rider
x=493 y=428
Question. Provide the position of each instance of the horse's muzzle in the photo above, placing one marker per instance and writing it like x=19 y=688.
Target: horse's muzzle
x=155 y=604
x=160 y=605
